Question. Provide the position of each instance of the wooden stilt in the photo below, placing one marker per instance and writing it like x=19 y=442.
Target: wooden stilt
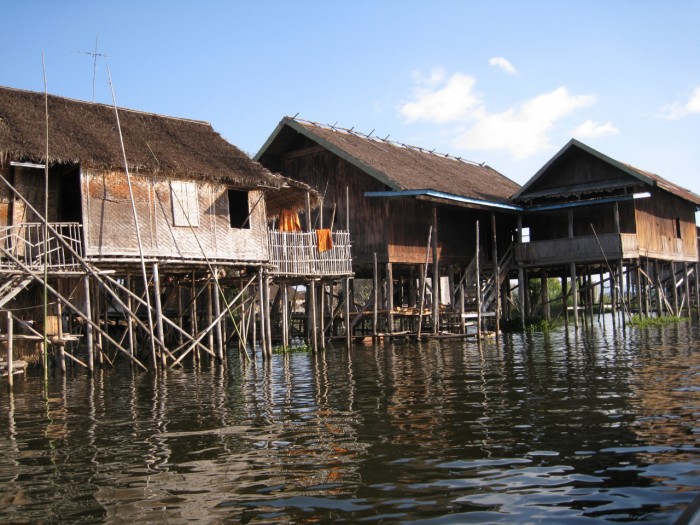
x=574 y=292
x=217 y=313
x=477 y=270
x=261 y=313
x=423 y=283
x=462 y=306
x=659 y=289
x=210 y=316
x=129 y=320
x=313 y=315
x=544 y=291
x=348 y=329
x=159 y=313
x=88 y=327
x=436 y=275
x=322 y=314
x=268 y=317
x=390 y=298
x=180 y=314
x=697 y=287
x=674 y=282
x=565 y=299
x=10 y=347
x=59 y=334
x=194 y=321
x=686 y=282
x=375 y=277
x=496 y=273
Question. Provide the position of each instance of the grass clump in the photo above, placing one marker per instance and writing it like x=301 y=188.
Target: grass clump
x=638 y=320
x=294 y=349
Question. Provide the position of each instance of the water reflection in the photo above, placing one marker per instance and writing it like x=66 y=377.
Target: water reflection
x=568 y=426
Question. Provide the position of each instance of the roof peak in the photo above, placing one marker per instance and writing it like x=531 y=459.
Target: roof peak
x=385 y=140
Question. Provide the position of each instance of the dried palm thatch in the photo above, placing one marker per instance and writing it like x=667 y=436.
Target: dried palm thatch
x=86 y=133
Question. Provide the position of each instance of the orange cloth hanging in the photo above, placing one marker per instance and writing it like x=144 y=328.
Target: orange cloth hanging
x=289 y=221
x=325 y=240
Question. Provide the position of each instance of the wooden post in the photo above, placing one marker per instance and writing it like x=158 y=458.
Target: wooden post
x=210 y=316
x=436 y=275
x=390 y=298
x=261 y=312
x=129 y=319
x=659 y=289
x=375 y=277
x=574 y=292
x=477 y=269
x=159 y=311
x=180 y=315
x=59 y=335
x=88 y=326
x=348 y=329
x=424 y=279
x=10 y=345
x=674 y=281
x=544 y=295
x=496 y=273
x=697 y=287
x=217 y=313
x=285 y=315
x=462 y=311
x=686 y=281
x=193 y=315
x=322 y=314
x=565 y=299
x=521 y=277
x=313 y=315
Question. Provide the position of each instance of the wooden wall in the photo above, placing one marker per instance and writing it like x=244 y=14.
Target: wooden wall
x=330 y=176
x=110 y=228
x=656 y=227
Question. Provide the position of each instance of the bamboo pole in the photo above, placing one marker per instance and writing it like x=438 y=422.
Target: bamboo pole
x=674 y=281
x=10 y=344
x=424 y=279
x=375 y=287
x=313 y=315
x=136 y=222
x=697 y=287
x=88 y=328
x=477 y=266
x=348 y=328
x=285 y=315
x=686 y=282
x=159 y=311
x=436 y=275
x=217 y=312
x=268 y=316
x=390 y=297
x=496 y=273
x=61 y=342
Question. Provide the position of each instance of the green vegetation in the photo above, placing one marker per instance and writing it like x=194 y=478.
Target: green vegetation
x=640 y=321
x=295 y=349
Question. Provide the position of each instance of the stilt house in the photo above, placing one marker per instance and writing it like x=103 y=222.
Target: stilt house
x=408 y=209
x=121 y=201
x=588 y=214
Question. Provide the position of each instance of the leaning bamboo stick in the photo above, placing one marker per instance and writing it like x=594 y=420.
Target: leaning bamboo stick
x=424 y=283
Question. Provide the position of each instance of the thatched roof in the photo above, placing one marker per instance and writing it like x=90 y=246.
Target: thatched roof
x=399 y=166
x=627 y=178
x=87 y=133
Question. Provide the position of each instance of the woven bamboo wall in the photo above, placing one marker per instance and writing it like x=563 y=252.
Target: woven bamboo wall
x=111 y=230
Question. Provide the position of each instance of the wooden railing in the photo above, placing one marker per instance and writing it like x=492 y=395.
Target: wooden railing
x=297 y=254
x=25 y=242
x=580 y=249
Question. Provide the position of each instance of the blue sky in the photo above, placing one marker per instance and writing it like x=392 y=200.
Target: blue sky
x=502 y=82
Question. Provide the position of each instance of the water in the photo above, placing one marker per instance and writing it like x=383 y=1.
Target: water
x=597 y=427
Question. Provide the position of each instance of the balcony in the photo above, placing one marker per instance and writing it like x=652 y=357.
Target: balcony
x=24 y=242
x=296 y=254
x=583 y=249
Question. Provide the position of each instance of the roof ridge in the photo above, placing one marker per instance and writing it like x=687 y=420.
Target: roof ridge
x=385 y=140
x=109 y=106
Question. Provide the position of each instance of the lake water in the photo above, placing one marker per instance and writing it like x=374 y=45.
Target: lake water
x=597 y=426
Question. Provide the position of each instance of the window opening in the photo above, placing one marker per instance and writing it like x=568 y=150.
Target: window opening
x=238 y=209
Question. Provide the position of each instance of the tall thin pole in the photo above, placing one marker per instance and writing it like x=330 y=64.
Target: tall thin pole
x=46 y=227
x=136 y=222
x=424 y=275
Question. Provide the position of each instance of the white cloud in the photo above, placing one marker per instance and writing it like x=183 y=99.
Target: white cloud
x=503 y=64
x=679 y=110
x=591 y=129
x=454 y=101
x=523 y=130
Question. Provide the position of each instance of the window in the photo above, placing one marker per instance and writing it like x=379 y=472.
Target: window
x=185 y=203
x=677 y=224
x=238 y=209
x=526 y=234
